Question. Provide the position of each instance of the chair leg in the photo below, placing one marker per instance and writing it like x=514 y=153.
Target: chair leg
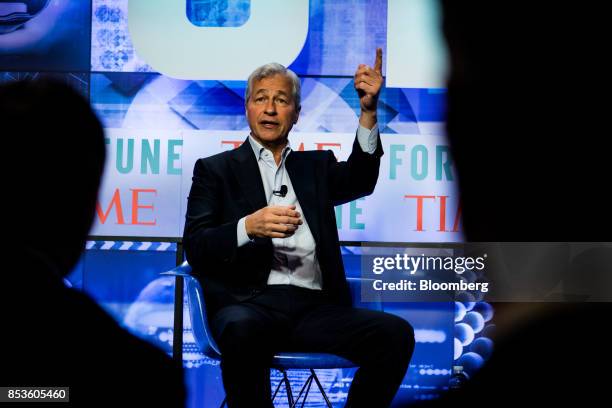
x=281 y=382
x=306 y=387
x=307 y=390
x=288 y=388
x=314 y=375
x=284 y=380
x=293 y=403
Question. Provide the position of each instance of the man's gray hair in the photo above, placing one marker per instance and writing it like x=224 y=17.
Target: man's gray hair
x=269 y=70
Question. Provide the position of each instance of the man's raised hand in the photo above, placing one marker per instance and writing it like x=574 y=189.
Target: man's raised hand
x=368 y=82
x=273 y=222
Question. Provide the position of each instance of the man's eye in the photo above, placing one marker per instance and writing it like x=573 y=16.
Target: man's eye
x=282 y=101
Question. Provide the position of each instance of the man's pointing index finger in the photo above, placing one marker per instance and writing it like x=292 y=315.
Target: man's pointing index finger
x=378 y=62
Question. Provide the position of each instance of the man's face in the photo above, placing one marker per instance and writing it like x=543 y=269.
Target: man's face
x=271 y=110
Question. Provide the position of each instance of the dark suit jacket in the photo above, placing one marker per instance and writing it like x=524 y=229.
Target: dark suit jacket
x=228 y=186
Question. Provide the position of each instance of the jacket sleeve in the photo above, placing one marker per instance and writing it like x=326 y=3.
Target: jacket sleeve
x=356 y=177
x=205 y=239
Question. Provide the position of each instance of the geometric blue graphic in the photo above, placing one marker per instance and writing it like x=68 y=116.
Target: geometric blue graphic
x=111 y=46
x=341 y=35
x=331 y=105
x=218 y=13
x=78 y=81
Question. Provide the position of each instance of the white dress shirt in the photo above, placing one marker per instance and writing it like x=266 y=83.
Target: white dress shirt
x=294 y=259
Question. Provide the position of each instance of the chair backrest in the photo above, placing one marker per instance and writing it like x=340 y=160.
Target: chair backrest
x=197 y=312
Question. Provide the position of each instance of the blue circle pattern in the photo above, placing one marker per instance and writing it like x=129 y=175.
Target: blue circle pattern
x=475 y=321
x=471 y=362
x=459 y=312
x=482 y=346
x=472 y=342
x=485 y=309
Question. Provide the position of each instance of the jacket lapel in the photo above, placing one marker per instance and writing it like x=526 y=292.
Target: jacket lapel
x=245 y=168
x=302 y=177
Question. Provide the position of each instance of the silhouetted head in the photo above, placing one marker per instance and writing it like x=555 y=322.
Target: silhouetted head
x=526 y=122
x=55 y=146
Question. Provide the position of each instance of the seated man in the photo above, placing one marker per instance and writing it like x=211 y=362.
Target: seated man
x=55 y=336
x=261 y=235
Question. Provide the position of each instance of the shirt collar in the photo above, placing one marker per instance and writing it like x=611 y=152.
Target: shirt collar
x=258 y=148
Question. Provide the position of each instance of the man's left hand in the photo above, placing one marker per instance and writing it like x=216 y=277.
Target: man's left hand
x=368 y=82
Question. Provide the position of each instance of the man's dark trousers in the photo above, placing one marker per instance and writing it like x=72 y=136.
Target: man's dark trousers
x=290 y=318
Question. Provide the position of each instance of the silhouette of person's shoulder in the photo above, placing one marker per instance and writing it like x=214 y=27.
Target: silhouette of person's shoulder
x=58 y=336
